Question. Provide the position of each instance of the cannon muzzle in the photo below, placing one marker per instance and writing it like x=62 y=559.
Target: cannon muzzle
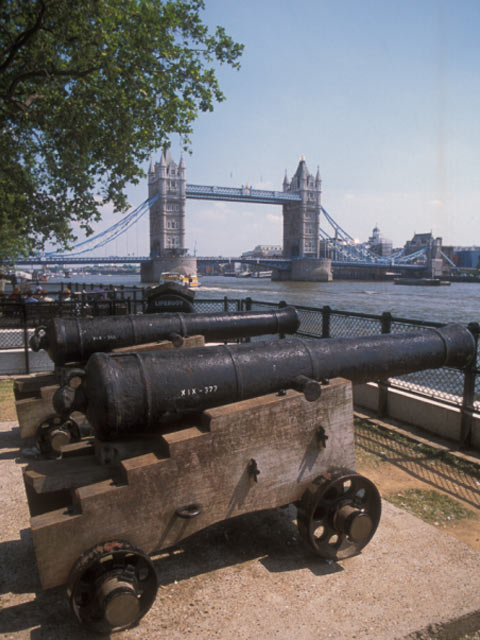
x=76 y=339
x=124 y=394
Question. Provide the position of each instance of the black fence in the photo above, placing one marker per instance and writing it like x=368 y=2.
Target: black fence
x=448 y=386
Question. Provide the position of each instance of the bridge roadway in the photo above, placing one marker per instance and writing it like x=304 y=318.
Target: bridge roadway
x=269 y=263
x=241 y=194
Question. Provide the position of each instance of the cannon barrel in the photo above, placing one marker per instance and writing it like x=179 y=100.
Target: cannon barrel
x=130 y=393
x=75 y=339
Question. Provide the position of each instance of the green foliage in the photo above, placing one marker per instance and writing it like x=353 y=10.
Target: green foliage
x=88 y=90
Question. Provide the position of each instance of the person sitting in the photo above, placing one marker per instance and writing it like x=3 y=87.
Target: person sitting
x=15 y=295
x=3 y=282
x=30 y=297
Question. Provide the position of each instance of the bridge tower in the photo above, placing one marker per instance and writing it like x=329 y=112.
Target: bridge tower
x=301 y=224
x=167 y=220
x=301 y=220
x=167 y=214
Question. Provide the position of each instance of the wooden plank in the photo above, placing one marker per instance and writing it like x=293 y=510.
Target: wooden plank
x=112 y=453
x=84 y=447
x=188 y=342
x=52 y=475
x=31 y=385
x=209 y=468
x=48 y=391
x=31 y=412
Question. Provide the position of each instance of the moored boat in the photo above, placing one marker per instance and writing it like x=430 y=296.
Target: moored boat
x=422 y=282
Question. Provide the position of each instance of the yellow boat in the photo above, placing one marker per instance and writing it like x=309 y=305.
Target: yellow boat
x=187 y=281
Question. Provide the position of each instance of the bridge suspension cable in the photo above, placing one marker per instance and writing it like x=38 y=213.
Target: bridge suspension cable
x=108 y=235
x=344 y=245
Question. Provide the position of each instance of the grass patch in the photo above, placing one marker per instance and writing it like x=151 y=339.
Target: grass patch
x=7 y=401
x=367 y=458
x=431 y=506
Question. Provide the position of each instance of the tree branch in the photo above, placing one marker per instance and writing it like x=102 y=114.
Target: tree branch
x=47 y=73
x=23 y=38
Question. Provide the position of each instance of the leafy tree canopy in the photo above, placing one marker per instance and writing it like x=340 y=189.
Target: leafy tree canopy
x=87 y=91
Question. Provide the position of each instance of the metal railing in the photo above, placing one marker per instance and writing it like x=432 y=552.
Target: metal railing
x=447 y=386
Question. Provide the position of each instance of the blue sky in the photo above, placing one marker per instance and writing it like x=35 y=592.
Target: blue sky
x=382 y=95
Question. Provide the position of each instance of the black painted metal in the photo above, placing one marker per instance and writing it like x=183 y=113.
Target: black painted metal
x=469 y=392
x=130 y=393
x=75 y=339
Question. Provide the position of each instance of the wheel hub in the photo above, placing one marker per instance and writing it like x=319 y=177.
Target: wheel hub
x=112 y=586
x=120 y=602
x=354 y=523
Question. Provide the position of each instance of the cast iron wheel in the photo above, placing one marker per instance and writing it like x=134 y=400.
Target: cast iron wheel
x=112 y=586
x=339 y=514
x=55 y=432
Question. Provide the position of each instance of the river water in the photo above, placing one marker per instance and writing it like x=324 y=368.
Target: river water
x=459 y=302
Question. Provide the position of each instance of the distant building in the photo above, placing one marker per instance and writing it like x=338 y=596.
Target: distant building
x=264 y=251
x=378 y=244
x=421 y=241
x=468 y=257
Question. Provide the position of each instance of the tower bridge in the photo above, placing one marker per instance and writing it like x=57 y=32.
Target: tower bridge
x=300 y=200
x=309 y=249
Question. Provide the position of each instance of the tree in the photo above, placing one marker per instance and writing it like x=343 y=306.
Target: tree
x=88 y=90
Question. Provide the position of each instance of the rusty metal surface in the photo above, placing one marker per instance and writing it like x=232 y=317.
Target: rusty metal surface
x=135 y=392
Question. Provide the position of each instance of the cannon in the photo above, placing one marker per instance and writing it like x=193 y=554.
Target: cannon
x=189 y=438
x=75 y=339
x=124 y=394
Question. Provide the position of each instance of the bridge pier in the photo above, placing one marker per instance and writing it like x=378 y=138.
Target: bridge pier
x=306 y=270
x=152 y=270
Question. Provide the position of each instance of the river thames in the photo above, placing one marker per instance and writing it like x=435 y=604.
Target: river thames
x=459 y=302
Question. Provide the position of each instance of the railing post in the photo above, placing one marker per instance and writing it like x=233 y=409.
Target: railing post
x=225 y=304
x=326 y=314
x=248 y=304
x=470 y=375
x=386 y=322
x=383 y=385
x=25 y=339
